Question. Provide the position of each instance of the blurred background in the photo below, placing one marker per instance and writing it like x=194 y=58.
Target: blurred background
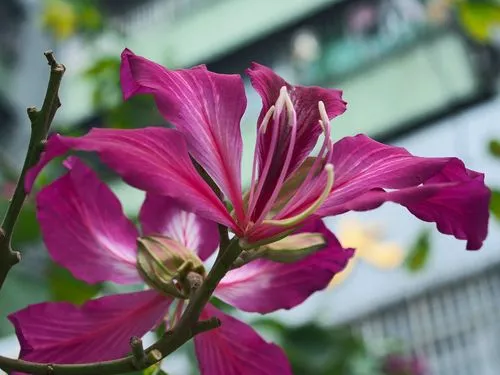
x=422 y=74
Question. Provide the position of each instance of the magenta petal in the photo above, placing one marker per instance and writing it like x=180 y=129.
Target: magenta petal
x=264 y=286
x=439 y=190
x=305 y=101
x=59 y=332
x=85 y=229
x=459 y=208
x=153 y=159
x=206 y=107
x=168 y=217
x=236 y=349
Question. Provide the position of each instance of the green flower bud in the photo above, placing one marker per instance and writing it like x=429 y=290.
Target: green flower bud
x=164 y=265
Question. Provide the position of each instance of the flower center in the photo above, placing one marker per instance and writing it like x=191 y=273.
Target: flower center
x=315 y=183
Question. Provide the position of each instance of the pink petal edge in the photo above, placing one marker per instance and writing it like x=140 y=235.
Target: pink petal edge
x=439 y=190
x=236 y=349
x=59 y=332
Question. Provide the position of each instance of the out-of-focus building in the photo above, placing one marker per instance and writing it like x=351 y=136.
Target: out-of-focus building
x=11 y=16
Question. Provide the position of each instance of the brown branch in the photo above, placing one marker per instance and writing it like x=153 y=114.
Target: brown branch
x=40 y=124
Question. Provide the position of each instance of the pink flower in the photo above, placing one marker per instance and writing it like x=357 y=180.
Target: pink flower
x=85 y=230
x=355 y=173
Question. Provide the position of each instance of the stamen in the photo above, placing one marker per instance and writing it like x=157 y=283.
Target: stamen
x=280 y=102
x=289 y=108
x=299 y=198
x=265 y=120
x=272 y=148
x=322 y=112
x=294 y=220
x=300 y=195
x=325 y=122
x=292 y=122
x=253 y=182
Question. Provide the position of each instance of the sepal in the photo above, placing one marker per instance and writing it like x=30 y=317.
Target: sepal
x=286 y=250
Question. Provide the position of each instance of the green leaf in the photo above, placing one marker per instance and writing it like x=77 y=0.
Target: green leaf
x=64 y=287
x=27 y=228
x=221 y=305
x=419 y=253
x=479 y=19
x=495 y=203
x=154 y=370
x=107 y=65
x=494 y=147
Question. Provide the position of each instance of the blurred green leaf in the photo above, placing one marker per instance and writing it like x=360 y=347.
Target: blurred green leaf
x=479 y=19
x=64 y=287
x=494 y=147
x=419 y=253
x=318 y=350
x=221 y=305
x=135 y=112
x=154 y=370
x=495 y=203
x=27 y=228
x=60 y=18
x=270 y=324
x=105 y=65
x=89 y=17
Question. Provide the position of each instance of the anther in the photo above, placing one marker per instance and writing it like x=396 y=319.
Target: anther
x=290 y=109
x=323 y=114
x=280 y=102
x=265 y=120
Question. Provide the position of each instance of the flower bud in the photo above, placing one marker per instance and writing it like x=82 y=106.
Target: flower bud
x=164 y=265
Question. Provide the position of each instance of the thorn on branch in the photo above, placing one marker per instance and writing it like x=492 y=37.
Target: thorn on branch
x=15 y=258
x=54 y=65
x=41 y=147
x=138 y=353
x=32 y=113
